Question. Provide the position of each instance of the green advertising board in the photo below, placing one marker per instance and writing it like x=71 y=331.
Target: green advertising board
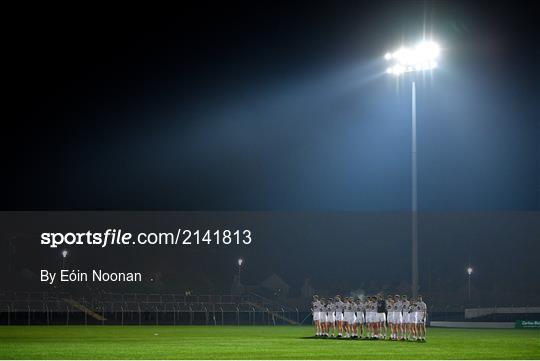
x=527 y=324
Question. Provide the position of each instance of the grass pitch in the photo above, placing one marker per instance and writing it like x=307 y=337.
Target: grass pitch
x=252 y=342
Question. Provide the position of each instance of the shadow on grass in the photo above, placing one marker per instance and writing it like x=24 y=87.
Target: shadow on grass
x=356 y=339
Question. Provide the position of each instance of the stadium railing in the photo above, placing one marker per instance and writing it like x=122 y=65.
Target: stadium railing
x=139 y=308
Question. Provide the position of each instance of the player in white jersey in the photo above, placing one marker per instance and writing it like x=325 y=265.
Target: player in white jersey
x=412 y=319
x=346 y=317
x=398 y=317
x=349 y=317
x=390 y=303
x=327 y=317
x=376 y=317
x=371 y=316
x=331 y=317
x=339 y=309
x=322 y=319
x=358 y=328
x=421 y=310
x=394 y=313
x=316 y=307
x=405 y=327
x=367 y=316
x=353 y=326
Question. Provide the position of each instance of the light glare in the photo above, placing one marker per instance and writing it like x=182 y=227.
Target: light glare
x=428 y=50
x=420 y=58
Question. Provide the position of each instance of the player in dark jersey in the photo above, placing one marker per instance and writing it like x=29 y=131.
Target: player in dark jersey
x=381 y=316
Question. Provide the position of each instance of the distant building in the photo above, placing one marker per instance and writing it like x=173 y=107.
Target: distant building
x=275 y=286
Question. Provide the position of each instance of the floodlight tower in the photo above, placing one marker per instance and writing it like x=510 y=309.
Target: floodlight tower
x=469 y=273
x=240 y=262
x=64 y=256
x=421 y=58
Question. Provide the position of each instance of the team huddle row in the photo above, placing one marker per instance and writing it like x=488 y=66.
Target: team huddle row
x=372 y=317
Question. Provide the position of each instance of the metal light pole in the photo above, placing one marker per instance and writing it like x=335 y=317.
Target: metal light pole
x=414 y=192
x=418 y=59
x=64 y=255
x=469 y=273
x=240 y=262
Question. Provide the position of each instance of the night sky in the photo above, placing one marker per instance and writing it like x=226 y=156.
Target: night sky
x=268 y=107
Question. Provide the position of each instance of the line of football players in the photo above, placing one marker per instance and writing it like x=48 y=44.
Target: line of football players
x=372 y=317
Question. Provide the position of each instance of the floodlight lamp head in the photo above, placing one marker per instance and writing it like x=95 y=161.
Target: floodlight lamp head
x=469 y=270
x=420 y=58
x=64 y=253
x=240 y=261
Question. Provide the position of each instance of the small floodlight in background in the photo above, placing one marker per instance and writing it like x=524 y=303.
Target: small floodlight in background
x=239 y=263
x=469 y=272
x=420 y=58
x=64 y=256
